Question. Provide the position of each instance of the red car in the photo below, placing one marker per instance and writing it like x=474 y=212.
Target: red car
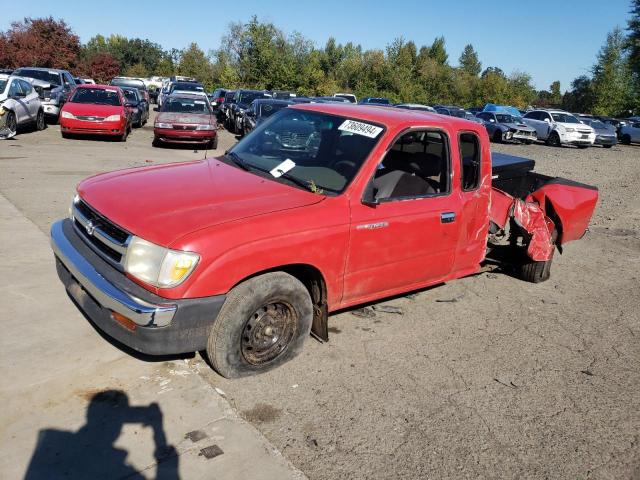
x=96 y=110
x=320 y=208
x=186 y=118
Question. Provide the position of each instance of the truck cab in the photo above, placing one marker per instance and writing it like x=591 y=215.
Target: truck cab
x=321 y=207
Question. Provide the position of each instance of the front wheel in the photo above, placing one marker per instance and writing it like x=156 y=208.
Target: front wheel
x=626 y=139
x=40 y=123
x=497 y=136
x=553 y=140
x=262 y=324
x=11 y=123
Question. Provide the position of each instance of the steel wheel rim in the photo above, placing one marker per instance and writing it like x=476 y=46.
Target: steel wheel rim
x=268 y=332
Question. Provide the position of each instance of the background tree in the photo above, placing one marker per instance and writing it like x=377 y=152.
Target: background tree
x=611 y=77
x=41 y=42
x=438 y=51
x=102 y=67
x=469 y=62
x=194 y=63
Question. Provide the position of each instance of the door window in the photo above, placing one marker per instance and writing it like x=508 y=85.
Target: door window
x=26 y=87
x=471 y=161
x=14 y=89
x=416 y=166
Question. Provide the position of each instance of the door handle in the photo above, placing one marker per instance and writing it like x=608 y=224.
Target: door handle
x=447 y=217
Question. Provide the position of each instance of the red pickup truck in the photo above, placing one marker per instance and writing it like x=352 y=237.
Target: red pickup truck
x=322 y=207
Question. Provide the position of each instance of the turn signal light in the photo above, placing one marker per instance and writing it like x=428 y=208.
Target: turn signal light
x=124 y=321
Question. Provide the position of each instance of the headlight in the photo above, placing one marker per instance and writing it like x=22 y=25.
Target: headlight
x=113 y=118
x=68 y=115
x=157 y=265
x=569 y=129
x=163 y=125
x=205 y=127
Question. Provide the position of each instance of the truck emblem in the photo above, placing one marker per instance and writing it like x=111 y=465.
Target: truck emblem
x=372 y=226
x=90 y=228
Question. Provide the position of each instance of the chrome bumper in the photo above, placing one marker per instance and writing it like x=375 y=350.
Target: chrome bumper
x=103 y=291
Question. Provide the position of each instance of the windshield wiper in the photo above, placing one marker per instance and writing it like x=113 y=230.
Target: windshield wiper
x=235 y=158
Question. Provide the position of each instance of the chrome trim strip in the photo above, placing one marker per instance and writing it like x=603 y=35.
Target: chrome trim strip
x=99 y=233
x=104 y=292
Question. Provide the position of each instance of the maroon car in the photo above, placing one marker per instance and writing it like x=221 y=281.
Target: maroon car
x=186 y=118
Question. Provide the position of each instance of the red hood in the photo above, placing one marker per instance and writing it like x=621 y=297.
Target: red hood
x=92 y=109
x=180 y=117
x=163 y=203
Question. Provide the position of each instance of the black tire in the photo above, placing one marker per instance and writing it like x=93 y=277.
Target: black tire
x=65 y=135
x=553 y=140
x=40 y=123
x=626 y=139
x=497 y=136
x=536 y=272
x=214 y=143
x=123 y=137
x=155 y=142
x=242 y=341
x=11 y=122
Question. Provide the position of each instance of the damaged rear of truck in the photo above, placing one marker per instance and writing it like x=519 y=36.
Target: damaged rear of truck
x=534 y=214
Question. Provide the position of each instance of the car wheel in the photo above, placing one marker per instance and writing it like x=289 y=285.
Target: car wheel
x=214 y=143
x=11 y=122
x=553 y=140
x=262 y=324
x=123 y=137
x=497 y=136
x=40 y=123
x=65 y=135
x=626 y=139
x=155 y=142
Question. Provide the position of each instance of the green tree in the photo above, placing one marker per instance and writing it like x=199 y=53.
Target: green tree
x=611 y=83
x=632 y=43
x=194 y=63
x=580 y=97
x=469 y=62
x=438 y=51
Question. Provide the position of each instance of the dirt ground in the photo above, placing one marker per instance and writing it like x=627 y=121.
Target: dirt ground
x=485 y=377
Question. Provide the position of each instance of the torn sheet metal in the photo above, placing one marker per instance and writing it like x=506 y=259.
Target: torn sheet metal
x=532 y=219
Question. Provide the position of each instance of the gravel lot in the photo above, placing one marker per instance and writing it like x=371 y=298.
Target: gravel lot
x=485 y=377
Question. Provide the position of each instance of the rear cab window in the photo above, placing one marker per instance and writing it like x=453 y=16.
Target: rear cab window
x=471 y=161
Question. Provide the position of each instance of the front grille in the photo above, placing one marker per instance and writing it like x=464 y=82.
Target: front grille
x=584 y=132
x=105 y=237
x=90 y=118
x=185 y=127
x=293 y=140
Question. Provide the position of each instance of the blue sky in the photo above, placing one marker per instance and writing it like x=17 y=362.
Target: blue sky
x=550 y=40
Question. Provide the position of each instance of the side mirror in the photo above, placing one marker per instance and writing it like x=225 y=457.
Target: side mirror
x=368 y=196
x=547 y=120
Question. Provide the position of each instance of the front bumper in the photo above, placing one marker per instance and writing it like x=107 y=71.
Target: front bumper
x=51 y=109
x=577 y=138
x=158 y=326
x=184 y=136
x=86 y=127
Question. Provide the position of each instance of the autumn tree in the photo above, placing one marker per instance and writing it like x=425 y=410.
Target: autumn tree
x=39 y=42
x=102 y=67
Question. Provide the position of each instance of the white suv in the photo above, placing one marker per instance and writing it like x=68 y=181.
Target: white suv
x=20 y=102
x=558 y=128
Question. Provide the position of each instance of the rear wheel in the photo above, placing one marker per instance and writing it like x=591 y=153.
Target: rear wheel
x=536 y=272
x=262 y=324
x=553 y=140
x=626 y=139
x=40 y=123
x=497 y=136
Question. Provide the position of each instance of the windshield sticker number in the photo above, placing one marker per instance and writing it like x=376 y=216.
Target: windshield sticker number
x=360 y=128
x=282 y=168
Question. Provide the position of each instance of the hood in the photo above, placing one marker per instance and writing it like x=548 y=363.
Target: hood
x=576 y=126
x=183 y=117
x=164 y=203
x=92 y=109
x=519 y=126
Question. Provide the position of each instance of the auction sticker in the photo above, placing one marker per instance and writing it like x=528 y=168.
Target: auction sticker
x=360 y=128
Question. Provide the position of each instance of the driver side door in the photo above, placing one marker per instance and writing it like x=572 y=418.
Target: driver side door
x=19 y=102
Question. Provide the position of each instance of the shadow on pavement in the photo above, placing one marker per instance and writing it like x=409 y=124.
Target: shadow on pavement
x=90 y=452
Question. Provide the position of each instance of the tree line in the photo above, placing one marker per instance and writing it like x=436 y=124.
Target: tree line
x=259 y=55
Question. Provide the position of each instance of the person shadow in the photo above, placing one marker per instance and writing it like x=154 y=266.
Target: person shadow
x=89 y=453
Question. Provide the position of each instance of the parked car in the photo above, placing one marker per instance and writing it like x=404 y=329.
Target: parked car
x=416 y=106
x=137 y=105
x=259 y=111
x=186 y=118
x=242 y=100
x=557 y=128
x=349 y=96
x=21 y=104
x=451 y=111
x=630 y=133
x=59 y=88
x=375 y=101
x=282 y=95
x=135 y=83
x=217 y=98
x=245 y=254
x=225 y=107
x=329 y=100
x=605 y=134
x=503 y=127
x=96 y=110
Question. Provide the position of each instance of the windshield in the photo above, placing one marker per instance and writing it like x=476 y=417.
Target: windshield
x=189 y=87
x=44 y=75
x=98 y=96
x=598 y=124
x=312 y=150
x=128 y=83
x=505 y=118
x=268 y=109
x=247 y=97
x=185 y=105
x=131 y=95
x=564 y=118
x=383 y=101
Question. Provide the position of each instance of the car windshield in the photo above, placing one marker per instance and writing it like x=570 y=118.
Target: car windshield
x=316 y=151
x=383 y=101
x=131 y=95
x=268 y=109
x=185 y=105
x=247 y=97
x=46 y=76
x=598 y=124
x=564 y=118
x=100 y=96
x=128 y=83
x=505 y=118
x=187 y=86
